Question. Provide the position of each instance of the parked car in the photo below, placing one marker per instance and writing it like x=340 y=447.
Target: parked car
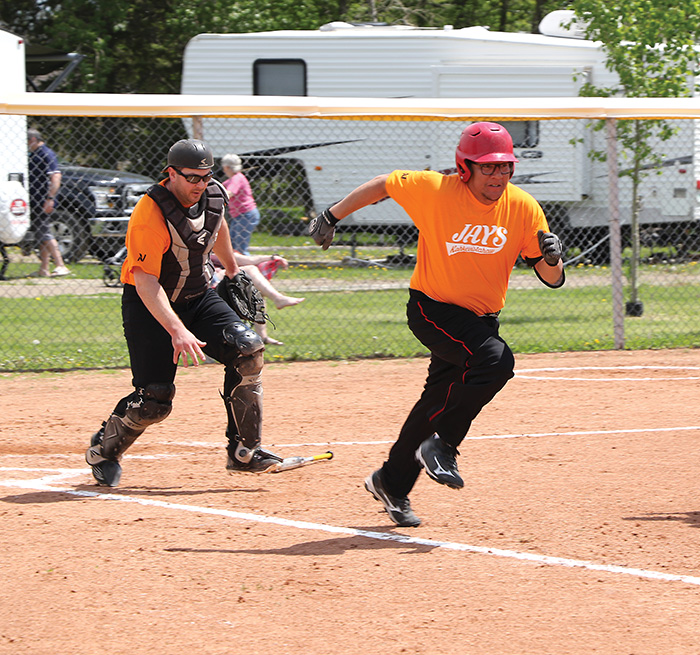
x=93 y=207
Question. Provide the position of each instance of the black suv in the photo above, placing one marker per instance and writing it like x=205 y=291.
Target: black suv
x=92 y=210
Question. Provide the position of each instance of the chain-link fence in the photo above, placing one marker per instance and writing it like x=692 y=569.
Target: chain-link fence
x=355 y=292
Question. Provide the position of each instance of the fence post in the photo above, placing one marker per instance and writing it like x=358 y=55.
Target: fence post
x=197 y=128
x=618 y=299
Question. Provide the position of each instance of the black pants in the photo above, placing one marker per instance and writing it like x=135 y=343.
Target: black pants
x=150 y=345
x=469 y=365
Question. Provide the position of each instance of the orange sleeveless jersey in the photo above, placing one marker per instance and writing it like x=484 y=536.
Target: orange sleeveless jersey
x=466 y=250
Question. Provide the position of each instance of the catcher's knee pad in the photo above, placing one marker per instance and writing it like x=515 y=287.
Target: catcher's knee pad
x=243 y=338
x=144 y=407
x=148 y=405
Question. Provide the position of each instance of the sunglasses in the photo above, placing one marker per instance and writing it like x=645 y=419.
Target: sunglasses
x=194 y=179
x=505 y=168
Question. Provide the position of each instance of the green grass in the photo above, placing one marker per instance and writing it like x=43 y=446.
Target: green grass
x=61 y=332
x=71 y=331
x=88 y=269
x=67 y=332
x=341 y=325
x=581 y=319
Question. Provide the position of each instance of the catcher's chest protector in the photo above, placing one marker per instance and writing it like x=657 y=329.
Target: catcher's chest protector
x=183 y=273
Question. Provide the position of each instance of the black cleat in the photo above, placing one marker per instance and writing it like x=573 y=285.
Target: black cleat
x=438 y=459
x=398 y=509
x=107 y=473
x=261 y=462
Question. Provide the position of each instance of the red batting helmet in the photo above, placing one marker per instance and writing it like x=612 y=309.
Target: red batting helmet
x=482 y=143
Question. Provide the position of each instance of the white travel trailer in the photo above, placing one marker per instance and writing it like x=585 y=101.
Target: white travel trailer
x=14 y=200
x=342 y=60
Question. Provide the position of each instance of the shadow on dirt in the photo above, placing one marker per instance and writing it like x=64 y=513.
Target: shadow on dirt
x=43 y=497
x=690 y=518
x=335 y=546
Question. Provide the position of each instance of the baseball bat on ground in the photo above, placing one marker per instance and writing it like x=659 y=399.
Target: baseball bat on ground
x=289 y=463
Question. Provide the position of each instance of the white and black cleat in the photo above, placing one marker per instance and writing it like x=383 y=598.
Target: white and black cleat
x=398 y=509
x=438 y=458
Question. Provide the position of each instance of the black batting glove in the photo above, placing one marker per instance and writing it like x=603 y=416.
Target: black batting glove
x=322 y=228
x=550 y=247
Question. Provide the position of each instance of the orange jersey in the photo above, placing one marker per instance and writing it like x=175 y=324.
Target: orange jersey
x=466 y=249
x=147 y=240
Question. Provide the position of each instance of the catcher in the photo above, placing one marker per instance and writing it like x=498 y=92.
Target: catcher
x=169 y=312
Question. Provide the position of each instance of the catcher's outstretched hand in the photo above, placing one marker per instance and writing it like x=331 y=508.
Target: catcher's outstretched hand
x=550 y=247
x=322 y=228
x=187 y=345
x=241 y=295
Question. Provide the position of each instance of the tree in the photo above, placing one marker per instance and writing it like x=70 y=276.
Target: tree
x=137 y=46
x=651 y=47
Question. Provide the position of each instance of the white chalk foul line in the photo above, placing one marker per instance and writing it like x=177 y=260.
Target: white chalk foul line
x=626 y=367
x=523 y=435
x=529 y=373
x=43 y=484
x=326 y=444
x=578 y=433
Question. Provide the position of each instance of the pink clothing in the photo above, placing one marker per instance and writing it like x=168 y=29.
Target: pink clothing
x=240 y=196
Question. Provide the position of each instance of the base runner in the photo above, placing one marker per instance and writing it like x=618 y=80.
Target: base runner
x=472 y=228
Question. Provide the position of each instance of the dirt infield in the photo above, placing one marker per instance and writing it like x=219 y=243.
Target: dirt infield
x=575 y=533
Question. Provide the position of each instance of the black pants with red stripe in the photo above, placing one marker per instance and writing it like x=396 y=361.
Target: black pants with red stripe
x=469 y=365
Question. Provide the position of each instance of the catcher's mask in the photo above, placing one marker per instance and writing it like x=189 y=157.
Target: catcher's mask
x=190 y=153
x=483 y=143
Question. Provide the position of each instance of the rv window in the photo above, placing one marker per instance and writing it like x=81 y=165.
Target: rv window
x=279 y=77
x=526 y=134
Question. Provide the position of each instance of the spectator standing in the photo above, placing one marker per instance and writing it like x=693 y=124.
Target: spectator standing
x=44 y=183
x=243 y=211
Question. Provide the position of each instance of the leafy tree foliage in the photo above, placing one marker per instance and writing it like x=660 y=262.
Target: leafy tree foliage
x=651 y=47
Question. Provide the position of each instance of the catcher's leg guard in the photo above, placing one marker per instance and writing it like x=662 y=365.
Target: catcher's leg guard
x=243 y=391
x=142 y=408
x=243 y=396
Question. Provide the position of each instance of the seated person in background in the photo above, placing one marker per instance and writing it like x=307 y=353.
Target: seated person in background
x=261 y=269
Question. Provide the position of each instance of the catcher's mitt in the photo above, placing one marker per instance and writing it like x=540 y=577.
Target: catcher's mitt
x=242 y=296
